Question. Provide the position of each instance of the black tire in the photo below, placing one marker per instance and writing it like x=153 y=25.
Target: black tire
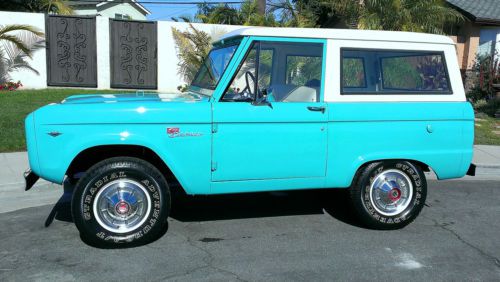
x=92 y=192
x=375 y=216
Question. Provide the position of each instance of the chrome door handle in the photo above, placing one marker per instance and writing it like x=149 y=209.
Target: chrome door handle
x=316 y=109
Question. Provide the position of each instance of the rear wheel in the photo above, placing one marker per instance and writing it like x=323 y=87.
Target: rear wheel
x=389 y=194
x=121 y=201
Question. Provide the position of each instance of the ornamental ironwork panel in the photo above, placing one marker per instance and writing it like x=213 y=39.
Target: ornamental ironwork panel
x=71 y=51
x=133 y=54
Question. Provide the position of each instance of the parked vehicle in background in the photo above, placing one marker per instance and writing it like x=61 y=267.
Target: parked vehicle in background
x=270 y=109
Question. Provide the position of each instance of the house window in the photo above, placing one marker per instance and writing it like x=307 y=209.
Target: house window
x=487 y=38
x=122 y=16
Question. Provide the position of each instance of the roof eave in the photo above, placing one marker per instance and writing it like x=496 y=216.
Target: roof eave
x=487 y=21
x=138 y=5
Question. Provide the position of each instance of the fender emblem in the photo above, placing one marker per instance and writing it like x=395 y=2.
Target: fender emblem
x=174 y=132
x=54 y=133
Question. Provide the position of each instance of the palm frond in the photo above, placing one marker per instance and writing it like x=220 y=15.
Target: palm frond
x=192 y=47
x=30 y=40
x=20 y=27
x=14 y=40
x=18 y=48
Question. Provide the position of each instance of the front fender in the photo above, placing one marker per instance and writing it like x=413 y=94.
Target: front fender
x=188 y=157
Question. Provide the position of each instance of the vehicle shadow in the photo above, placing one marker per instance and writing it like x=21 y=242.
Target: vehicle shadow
x=334 y=202
x=62 y=209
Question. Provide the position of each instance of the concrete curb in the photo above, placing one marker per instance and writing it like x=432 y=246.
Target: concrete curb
x=488 y=166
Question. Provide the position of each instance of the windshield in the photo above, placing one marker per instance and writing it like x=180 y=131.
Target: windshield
x=213 y=67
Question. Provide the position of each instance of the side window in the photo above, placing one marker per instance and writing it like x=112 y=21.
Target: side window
x=278 y=72
x=244 y=86
x=303 y=69
x=414 y=73
x=367 y=71
x=353 y=70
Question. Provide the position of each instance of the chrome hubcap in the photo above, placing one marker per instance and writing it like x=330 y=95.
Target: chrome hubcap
x=122 y=205
x=391 y=192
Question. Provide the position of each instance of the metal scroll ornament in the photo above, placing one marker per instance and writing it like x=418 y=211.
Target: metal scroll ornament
x=64 y=56
x=134 y=55
x=80 y=42
x=70 y=47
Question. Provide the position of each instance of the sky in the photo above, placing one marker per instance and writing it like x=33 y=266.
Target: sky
x=165 y=11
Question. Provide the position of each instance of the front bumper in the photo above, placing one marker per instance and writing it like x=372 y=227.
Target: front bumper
x=30 y=178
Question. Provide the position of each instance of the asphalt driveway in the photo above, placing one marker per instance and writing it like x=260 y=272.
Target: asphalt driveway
x=303 y=236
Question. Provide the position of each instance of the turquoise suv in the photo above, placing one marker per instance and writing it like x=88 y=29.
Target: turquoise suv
x=269 y=109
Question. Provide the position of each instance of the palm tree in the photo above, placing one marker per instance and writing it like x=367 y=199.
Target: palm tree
x=295 y=13
x=247 y=14
x=17 y=48
x=37 y=6
x=431 y=16
x=60 y=7
x=192 y=47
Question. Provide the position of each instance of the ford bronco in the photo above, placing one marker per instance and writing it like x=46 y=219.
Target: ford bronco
x=269 y=109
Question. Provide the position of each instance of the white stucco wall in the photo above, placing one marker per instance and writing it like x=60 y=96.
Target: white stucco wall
x=103 y=61
x=168 y=78
x=29 y=79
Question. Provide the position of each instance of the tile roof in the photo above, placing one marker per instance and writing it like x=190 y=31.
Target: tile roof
x=481 y=11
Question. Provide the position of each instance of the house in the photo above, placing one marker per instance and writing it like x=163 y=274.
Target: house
x=479 y=34
x=130 y=10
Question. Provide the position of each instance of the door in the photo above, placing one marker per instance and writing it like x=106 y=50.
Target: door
x=271 y=122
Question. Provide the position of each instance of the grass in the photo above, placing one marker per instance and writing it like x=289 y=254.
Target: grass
x=484 y=128
x=16 y=105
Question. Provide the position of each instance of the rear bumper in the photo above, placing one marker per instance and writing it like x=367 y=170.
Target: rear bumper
x=30 y=178
x=472 y=170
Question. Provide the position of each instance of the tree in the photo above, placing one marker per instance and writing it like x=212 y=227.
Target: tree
x=247 y=14
x=431 y=16
x=296 y=13
x=17 y=48
x=37 y=6
x=192 y=47
x=219 y=14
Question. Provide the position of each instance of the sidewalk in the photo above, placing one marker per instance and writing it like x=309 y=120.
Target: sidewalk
x=487 y=156
x=13 y=197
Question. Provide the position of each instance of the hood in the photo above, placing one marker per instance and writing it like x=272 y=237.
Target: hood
x=127 y=109
x=135 y=97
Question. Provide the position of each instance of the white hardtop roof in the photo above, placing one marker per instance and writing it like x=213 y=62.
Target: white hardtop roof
x=348 y=34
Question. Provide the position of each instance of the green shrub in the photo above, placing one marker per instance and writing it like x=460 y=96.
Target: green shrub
x=488 y=107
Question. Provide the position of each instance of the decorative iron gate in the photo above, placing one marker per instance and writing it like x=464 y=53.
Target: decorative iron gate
x=133 y=54
x=71 y=51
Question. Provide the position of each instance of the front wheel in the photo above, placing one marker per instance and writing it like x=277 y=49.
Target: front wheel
x=121 y=201
x=389 y=194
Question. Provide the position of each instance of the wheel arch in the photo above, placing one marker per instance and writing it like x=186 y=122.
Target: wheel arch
x=423 y=166
x=92 y=155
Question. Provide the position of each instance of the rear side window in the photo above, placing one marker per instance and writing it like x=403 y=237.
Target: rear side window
x=366 y=71
x=354 y=72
